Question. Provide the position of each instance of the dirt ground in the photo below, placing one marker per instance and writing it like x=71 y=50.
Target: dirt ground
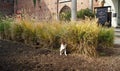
x=19 y=57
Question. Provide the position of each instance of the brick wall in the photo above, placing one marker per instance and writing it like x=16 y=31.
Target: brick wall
x=43 y=10
x=6 y=7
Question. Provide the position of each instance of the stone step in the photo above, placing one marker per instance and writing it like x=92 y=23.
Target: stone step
x=117 y=40
x=117 y=29
x=117 y=32
x=117 y=36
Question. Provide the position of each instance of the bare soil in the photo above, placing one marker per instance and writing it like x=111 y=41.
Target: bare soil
x=19 y=57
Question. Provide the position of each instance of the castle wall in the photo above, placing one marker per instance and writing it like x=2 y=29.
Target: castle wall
x=46 y=9
x=6 y=7
x=42 y=10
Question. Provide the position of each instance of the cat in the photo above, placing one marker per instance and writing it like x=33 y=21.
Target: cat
x=63 y=48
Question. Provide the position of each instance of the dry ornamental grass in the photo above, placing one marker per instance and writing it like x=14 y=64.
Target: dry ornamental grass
x=82 y=37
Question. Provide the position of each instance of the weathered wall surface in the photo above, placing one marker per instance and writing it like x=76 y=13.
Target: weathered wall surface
x=6 y=7
x=46 y=9
x=43 y=9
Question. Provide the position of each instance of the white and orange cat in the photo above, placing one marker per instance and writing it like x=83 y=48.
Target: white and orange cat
x=63 y=48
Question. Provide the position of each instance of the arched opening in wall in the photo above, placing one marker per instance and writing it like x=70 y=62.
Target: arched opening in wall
x=65 y=13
